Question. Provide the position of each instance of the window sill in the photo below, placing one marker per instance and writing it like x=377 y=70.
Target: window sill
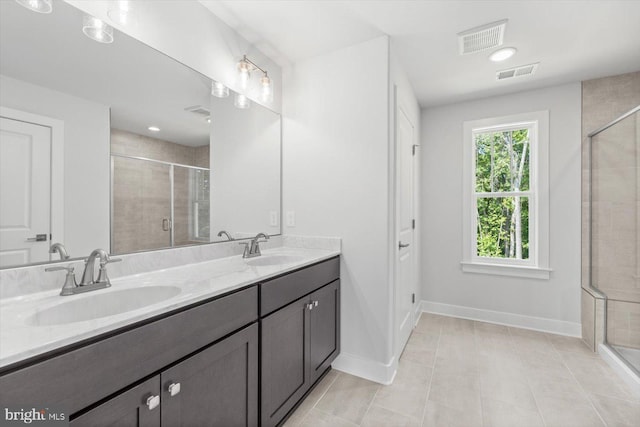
x=506 y=270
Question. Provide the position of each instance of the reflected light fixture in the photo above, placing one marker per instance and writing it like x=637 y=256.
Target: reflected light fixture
x=241 y=101
x=219 y=90
x=40 y=6
x=96 y=29
x=154 y=128
x=120 y=12
x=245 y=66
x=502 y=54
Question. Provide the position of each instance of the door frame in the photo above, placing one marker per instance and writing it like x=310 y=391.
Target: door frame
x=57 y=165
x=399 y=108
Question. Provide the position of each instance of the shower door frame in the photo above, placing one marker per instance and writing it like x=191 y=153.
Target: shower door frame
x=593 y=289
x=171 y=165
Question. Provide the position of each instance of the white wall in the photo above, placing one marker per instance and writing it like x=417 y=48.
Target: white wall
x=556 y=301
x=245 y=164
x=190 y=33
x=86 y=137
x=335 y=168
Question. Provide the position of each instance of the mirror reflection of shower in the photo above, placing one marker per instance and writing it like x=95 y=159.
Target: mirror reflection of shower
x=159 y=193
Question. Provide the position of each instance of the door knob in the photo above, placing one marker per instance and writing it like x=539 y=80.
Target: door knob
x=153 y=402
x=38 y=238
x=403 y=245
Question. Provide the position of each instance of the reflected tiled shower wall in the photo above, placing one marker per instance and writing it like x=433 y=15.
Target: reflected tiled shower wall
x=141 y=191
x=614 y=208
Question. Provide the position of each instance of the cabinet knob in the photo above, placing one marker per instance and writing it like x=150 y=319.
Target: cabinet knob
x=153 y=402
x=315 y=303
x=173 y=389
x=309 y=306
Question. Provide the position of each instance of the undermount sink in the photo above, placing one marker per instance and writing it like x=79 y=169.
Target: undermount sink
x=101 y=304
x=266 y=260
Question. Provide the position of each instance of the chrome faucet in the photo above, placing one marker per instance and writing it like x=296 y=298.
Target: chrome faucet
x=252 y=249
x=226 y=234
x=60 y=249
x=89 y=269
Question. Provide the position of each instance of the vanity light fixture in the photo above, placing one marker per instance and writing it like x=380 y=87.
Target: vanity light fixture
x=502 y=54
x=154 y=128
x=40 y=6
x=245 y=66
x=241 y=101
x=96 y=29
x=219 y=90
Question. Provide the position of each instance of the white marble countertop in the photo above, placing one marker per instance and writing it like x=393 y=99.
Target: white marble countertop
x=19 y=340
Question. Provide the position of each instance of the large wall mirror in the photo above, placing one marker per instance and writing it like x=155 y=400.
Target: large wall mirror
x=117 y=146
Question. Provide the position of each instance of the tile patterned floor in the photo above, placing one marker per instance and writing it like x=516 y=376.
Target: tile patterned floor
x=457 y=372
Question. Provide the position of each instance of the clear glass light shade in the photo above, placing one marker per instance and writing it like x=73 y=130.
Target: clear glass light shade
x=502 y=54
x=40 y=6
x=266 y=89
x=97 y=30
x=241 y=101
x=243 y=74
x=122 y=13
x=219 y=90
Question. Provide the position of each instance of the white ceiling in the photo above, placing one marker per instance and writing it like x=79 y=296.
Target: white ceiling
x=572 y=40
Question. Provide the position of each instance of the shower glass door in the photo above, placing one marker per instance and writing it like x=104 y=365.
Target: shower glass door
x=157 y=204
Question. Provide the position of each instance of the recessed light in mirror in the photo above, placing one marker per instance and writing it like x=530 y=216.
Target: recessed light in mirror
x=97 y=30
x=502 y=54
x=40 y=6
x=154 y=128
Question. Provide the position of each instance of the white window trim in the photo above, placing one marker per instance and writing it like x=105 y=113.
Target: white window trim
x=537 y=266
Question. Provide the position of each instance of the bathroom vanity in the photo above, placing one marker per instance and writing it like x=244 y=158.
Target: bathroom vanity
x=245 y=356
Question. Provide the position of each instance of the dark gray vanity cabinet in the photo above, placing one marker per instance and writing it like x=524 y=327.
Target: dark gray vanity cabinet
x=136 y=407
x=300 y=338
x=217 y=386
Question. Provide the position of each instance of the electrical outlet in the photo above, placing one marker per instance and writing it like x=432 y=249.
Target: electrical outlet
x=291 y=218
x=273 y=218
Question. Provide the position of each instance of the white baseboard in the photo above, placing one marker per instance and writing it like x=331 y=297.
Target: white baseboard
x=542 y=324
x=620 y=367
x=366 y=368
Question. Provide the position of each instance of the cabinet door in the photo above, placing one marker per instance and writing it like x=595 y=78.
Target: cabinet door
x=284 y=360
x=216 y=387
x=136 y=407
x=324 y=327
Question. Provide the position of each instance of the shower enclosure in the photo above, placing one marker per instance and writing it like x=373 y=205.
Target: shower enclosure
x=614 y=232
x=157 y=204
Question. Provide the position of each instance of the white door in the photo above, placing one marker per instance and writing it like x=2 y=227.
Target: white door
x=25 y=191
x=405 y=245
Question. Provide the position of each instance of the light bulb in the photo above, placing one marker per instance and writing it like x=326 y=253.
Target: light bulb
x=219 y=90
x=40 y=6
x=121 y=13
x=266 y=92
x=241 y=101
x=243 y=74
x=97 y=30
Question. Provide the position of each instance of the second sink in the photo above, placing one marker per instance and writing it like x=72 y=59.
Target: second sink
x=100 y=305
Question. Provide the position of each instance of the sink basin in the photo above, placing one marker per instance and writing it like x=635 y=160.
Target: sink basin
x=265 y=260
x=101 y=304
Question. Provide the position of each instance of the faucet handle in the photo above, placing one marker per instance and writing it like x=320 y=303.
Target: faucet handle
x=59 y=268
x=110 y=260
x=247 y=249
x=69 y=281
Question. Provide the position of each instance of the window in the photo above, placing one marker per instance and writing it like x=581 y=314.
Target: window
x=506 y=197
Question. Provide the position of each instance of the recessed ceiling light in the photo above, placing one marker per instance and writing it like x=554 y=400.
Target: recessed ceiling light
x=154 y=128
x=502 y=54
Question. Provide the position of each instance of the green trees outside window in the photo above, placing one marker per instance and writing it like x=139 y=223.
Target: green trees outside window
x=502 y=192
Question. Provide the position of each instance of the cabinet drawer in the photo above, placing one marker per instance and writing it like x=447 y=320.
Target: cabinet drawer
x=283 y=290
x=73 y=380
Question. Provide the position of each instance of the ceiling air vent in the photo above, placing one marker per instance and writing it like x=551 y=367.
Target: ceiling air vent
x=199 y=109
x=482 y=38
x=521 y=71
